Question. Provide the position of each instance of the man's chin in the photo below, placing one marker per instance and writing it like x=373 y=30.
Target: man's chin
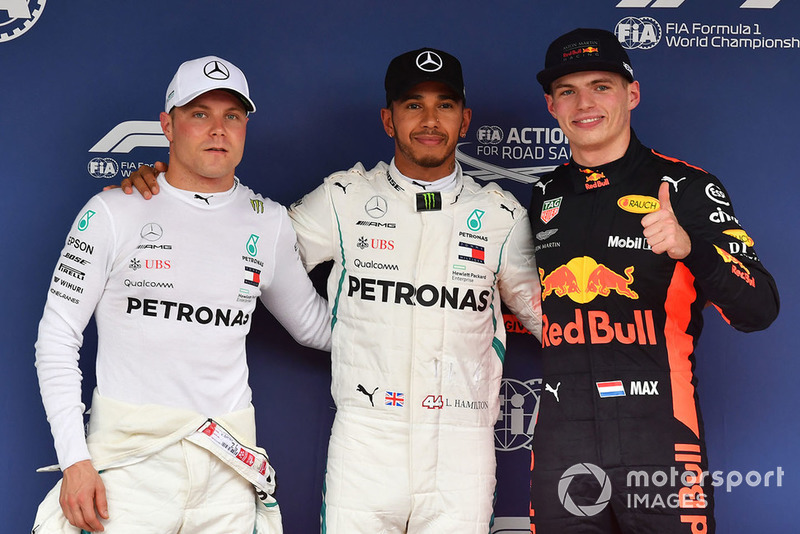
x=430 y=162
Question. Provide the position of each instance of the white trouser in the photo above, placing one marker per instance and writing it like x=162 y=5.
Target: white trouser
x=182 y=488
x=374 y=484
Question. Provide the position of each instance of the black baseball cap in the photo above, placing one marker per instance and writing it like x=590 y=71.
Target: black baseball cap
x=584 y=49
x=423 y=65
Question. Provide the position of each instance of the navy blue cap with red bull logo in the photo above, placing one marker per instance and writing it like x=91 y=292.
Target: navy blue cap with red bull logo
x=581 y=50
x=423 y=65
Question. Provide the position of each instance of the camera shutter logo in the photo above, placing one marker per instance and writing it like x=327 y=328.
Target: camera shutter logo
x=590 y=509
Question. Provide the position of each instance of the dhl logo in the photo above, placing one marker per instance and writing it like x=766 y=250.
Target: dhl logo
x=582 y=279
x=638 y=204
x=741 y=235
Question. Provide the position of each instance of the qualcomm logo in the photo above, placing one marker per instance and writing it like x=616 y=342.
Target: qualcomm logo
x=749 y=4
x=519 y=404
x=128 y=135
x=18 y=16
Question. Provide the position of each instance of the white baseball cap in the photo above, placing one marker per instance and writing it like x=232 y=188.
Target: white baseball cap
x=205 y=74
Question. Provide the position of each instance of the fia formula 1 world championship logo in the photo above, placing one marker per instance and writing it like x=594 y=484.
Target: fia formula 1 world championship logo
x=18 y=16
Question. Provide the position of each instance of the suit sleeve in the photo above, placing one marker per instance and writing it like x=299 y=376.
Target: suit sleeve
x=518 y=279
x=723 y=259
x=75 y=289
x=313 y=221
x=291 y=297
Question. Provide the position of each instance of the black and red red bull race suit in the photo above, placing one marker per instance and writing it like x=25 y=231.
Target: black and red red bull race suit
x=619 y=410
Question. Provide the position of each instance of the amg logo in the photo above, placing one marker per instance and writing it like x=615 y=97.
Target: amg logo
x=377 y=224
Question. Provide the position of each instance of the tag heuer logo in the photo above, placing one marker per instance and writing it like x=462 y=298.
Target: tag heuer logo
x=550 y=209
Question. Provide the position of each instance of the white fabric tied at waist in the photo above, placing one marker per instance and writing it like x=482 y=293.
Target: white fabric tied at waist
x=122 y=433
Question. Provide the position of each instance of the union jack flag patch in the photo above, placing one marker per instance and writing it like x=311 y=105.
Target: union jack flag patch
x=394 y=399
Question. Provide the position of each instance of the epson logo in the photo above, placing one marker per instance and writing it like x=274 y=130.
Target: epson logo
x=80 y=245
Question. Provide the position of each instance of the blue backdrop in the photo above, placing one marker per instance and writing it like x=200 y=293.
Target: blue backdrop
x=82 y=87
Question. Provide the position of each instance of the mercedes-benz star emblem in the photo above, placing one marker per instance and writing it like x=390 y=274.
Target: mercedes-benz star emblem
x=216 y=70
x=429 y=61
x=151 y=232
x=376 y=207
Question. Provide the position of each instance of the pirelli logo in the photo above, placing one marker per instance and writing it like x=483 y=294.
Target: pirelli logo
x=71 y=271
x=429 y=201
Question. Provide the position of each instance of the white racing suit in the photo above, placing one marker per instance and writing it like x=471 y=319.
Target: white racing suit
x=123 y=434
x=418 y=344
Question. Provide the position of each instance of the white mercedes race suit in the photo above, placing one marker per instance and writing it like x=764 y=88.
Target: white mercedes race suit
x=172 y=283
x=418 y=344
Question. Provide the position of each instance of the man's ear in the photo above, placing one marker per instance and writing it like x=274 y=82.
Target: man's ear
x=386 y=119
x=166 y=125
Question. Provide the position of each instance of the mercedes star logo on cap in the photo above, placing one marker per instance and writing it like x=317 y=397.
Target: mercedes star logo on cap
x=429 y=61
x=216 y=70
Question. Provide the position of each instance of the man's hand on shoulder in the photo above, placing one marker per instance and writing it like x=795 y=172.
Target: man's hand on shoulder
x=143 y=179
x=83 y=497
